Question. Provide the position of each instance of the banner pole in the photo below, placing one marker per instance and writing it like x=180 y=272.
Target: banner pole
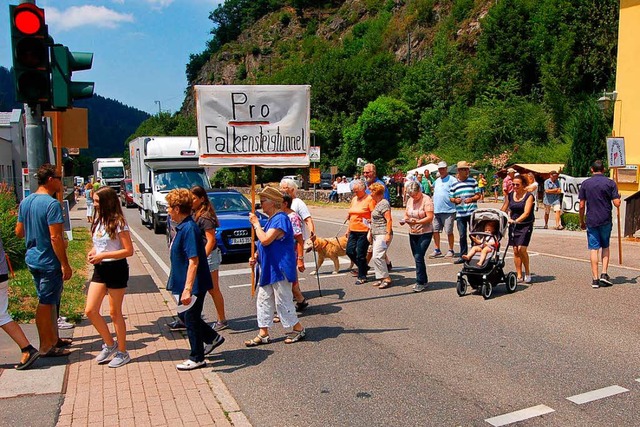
x=253 y=231
x=615 y=179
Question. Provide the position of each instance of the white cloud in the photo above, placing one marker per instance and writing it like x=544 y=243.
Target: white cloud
x=78 y=16
x=159 y=4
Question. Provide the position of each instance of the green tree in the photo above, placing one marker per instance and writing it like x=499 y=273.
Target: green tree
x=587 y=132
x=378 y=134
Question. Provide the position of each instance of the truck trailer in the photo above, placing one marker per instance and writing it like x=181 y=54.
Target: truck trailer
x=160 y=164
x=109 y=172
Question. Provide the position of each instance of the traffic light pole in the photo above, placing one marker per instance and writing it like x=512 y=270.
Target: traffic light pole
x=34 y=141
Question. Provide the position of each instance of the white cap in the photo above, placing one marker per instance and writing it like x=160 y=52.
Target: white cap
x=442 y=164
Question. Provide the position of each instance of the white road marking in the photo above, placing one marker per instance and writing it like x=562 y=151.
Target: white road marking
x=521 y=415
x=153 y=253
x=590 y=396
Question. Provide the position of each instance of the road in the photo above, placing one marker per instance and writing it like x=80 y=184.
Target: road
x=393 y=357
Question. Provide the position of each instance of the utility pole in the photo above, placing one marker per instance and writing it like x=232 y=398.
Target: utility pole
x=34 y=138
x=159 y=107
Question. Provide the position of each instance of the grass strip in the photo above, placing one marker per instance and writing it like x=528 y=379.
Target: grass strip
x=23 y=299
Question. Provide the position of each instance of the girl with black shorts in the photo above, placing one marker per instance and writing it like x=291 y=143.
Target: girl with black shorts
x=111 y=247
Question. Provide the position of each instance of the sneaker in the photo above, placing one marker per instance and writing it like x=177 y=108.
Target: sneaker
x=106 y=352
x=595 y=283
x=121 y=358
x=300 y=306
x=459 y=261
x=419 y=288
x=527 y=278
x=218 y=325
x=177 y=325
x=63 y=324
x=436 y=254
x=605 y=280
x=208 y=348
x=450 y=254
x=189 y=365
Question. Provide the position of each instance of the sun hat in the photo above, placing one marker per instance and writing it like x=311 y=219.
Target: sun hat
x=511 y=170
x=442 y=164
x=271 y=194
x=463 y=165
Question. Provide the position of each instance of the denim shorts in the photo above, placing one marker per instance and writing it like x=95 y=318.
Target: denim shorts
x=48 y=285
x=598 y=237
x=214 y=259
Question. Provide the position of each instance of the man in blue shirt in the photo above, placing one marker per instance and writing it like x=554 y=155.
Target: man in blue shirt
x=40 y=223
x=597 y=194
x=444 y=211
x=371 y=176
x=464 y=194
x=551 y=199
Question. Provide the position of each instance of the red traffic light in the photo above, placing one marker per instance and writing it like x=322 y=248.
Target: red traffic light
x=28 y=18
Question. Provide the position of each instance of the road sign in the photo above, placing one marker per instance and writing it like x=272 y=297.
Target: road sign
x=314 y=175
x=314 y=154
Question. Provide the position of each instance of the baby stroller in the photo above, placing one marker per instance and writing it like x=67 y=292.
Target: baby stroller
x=486 y=276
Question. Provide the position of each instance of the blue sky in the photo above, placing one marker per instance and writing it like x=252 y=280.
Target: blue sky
x=140 y=47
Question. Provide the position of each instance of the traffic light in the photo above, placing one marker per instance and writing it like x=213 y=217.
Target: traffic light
x=30 y=47
x=63 y=64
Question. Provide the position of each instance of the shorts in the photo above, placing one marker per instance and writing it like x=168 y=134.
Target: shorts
x=48 y=285
x=443 y=221
x=556 y=207
x=114 y=274
x=481 y=190
x=598 y=237
x=214 y=259
x=5 y=317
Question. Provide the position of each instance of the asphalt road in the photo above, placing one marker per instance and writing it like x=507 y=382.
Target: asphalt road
x=392 y=357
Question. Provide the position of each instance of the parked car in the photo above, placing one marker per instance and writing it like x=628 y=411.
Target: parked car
x=126 y=193
x=326 y=181
x=296 y=178
x=233 y=236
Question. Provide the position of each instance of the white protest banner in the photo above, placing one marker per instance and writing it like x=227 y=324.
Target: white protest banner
x=344 y=188
x=570 y=189
x=253 y=125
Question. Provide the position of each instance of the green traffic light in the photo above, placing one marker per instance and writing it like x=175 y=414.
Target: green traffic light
x=63 y=64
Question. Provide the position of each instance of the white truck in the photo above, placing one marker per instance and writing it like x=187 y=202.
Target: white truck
x=160 y=164
x=109 y=172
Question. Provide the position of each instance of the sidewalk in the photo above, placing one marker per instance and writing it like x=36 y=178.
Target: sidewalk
x=149 y=390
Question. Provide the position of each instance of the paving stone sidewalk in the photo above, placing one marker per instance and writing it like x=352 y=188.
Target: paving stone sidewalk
x=148 y=390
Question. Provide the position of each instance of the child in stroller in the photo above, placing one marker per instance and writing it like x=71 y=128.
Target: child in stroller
x=486 y=243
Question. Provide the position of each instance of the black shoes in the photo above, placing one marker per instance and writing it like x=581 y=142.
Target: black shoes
x=605 y=280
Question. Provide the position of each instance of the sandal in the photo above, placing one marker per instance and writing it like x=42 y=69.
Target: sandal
x=384 y=284
x=56 y=352
x=295 y=336
x=258 y=340
x=560 y=227
x=276 y=319
x=33 y=356
x=63 y=342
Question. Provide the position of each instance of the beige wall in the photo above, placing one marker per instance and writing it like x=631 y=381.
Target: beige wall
x=627 y=105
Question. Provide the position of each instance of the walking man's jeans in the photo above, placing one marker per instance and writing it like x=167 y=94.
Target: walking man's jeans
x=463 y=224
x=357 y=246
x=198 y=331
x=419 y=244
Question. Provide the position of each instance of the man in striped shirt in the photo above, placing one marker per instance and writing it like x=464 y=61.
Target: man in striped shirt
x=464 y=194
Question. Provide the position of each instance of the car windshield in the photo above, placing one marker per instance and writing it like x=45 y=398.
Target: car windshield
x=171 y=179
x=112 y=172
x=229 y=202
x=128 y=186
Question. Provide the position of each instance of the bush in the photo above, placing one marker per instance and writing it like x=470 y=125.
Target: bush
x=570 y=221
x=13 y=246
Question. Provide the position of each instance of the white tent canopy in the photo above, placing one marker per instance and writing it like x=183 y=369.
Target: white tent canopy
x=431 y=167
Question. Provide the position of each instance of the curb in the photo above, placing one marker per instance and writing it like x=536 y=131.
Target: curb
x=219 y=389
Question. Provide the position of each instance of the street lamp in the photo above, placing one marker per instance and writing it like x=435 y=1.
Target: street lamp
x=604 y=102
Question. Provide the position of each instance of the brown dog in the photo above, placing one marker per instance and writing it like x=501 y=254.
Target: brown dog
x=332 y=248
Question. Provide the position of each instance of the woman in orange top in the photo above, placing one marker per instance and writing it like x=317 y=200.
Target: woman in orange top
x=359 y=224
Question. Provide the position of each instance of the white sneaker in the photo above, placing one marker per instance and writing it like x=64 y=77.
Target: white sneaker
x=63 y=324
x=189 y=365
x=121 y=358
x=527 y=278
x=106 y=352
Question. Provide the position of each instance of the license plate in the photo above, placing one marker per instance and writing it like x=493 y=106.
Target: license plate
x=240 y=240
